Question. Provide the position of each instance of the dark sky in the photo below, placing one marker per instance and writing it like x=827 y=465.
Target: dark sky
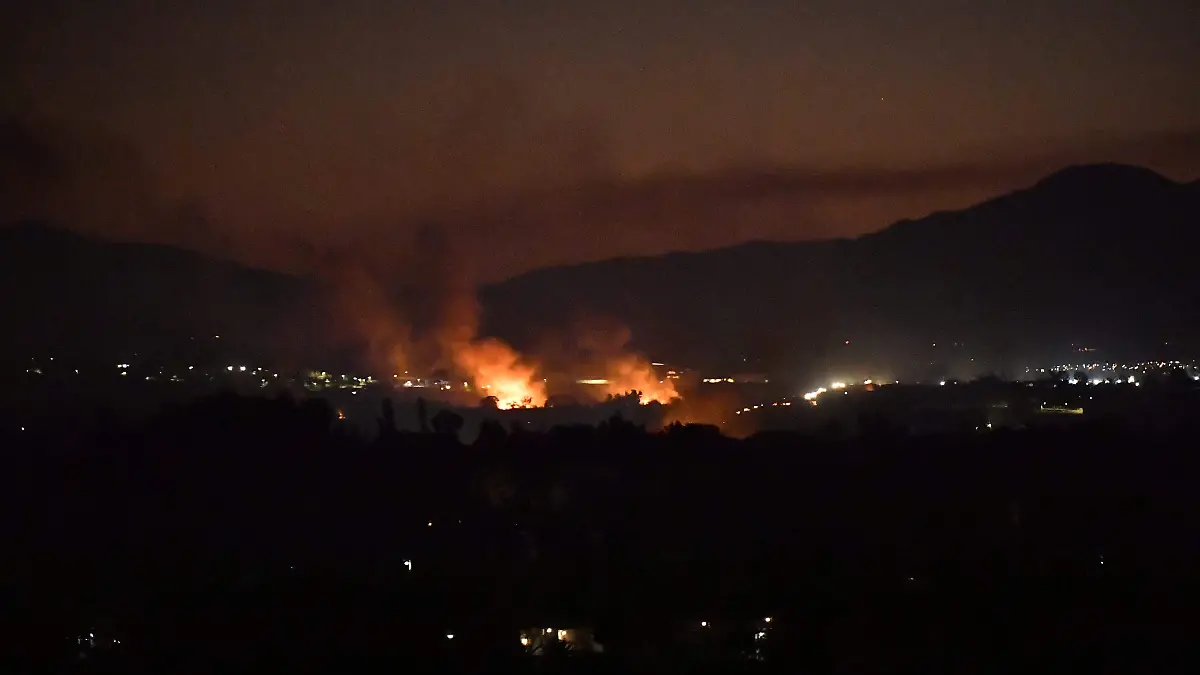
x=541 y=132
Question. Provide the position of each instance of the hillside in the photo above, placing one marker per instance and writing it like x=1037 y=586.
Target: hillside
x=1103 y=256
x=69 y=293
x=1100 y=255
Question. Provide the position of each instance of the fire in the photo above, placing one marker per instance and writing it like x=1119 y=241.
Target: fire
x=629 y=373
x=500 y=371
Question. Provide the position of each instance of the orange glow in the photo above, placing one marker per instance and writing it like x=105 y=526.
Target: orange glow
x=629 y=373
x=500 y=371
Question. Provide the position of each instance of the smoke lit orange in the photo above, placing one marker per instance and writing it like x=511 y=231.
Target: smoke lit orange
x=629 y=373
x=499 y=371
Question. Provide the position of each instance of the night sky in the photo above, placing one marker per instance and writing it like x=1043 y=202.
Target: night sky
x=544 y=132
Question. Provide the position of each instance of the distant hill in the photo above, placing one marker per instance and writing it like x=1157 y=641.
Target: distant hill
x=67 y=293
x=1104 y=256
x=1101 y=256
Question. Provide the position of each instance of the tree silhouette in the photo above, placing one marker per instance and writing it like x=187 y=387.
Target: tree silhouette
x=387 y=422
x=422 y=416
x=447 y=423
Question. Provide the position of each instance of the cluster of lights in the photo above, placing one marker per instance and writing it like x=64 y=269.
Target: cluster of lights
x=776 y=404
x=838 y=385
x=1143 y=368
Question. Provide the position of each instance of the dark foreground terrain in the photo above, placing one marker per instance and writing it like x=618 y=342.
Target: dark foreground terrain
x=260 y=535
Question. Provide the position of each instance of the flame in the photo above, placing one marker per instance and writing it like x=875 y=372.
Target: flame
x=499 y=371
x=630 y=373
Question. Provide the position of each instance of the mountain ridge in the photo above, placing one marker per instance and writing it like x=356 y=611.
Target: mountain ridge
x=1071 y=258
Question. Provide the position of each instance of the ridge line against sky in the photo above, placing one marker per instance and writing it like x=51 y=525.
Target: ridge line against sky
x=551 y=133
x=803 y=202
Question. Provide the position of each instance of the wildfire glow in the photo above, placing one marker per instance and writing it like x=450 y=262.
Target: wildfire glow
x=499 y=371
x=630 y=373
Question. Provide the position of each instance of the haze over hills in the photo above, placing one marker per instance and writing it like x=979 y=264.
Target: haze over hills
x=1103 y=256
x=65 y=293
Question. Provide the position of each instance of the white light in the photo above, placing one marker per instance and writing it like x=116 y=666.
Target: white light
x=562 y=634
x=989 y=425
x=704 y=624
x=449 y=636
x=408 y=564
x=242 y=369
x=942 y=383
x=229 y=368
x=524 y=641
x=768 y=619
x=837 y=385
x=549 y=631
x=429 y=524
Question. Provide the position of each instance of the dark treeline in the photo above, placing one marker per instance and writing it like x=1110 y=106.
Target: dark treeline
x=259 y=534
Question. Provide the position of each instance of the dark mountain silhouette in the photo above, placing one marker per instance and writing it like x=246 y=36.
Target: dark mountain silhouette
x=70 y=294
x=1101 y=255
